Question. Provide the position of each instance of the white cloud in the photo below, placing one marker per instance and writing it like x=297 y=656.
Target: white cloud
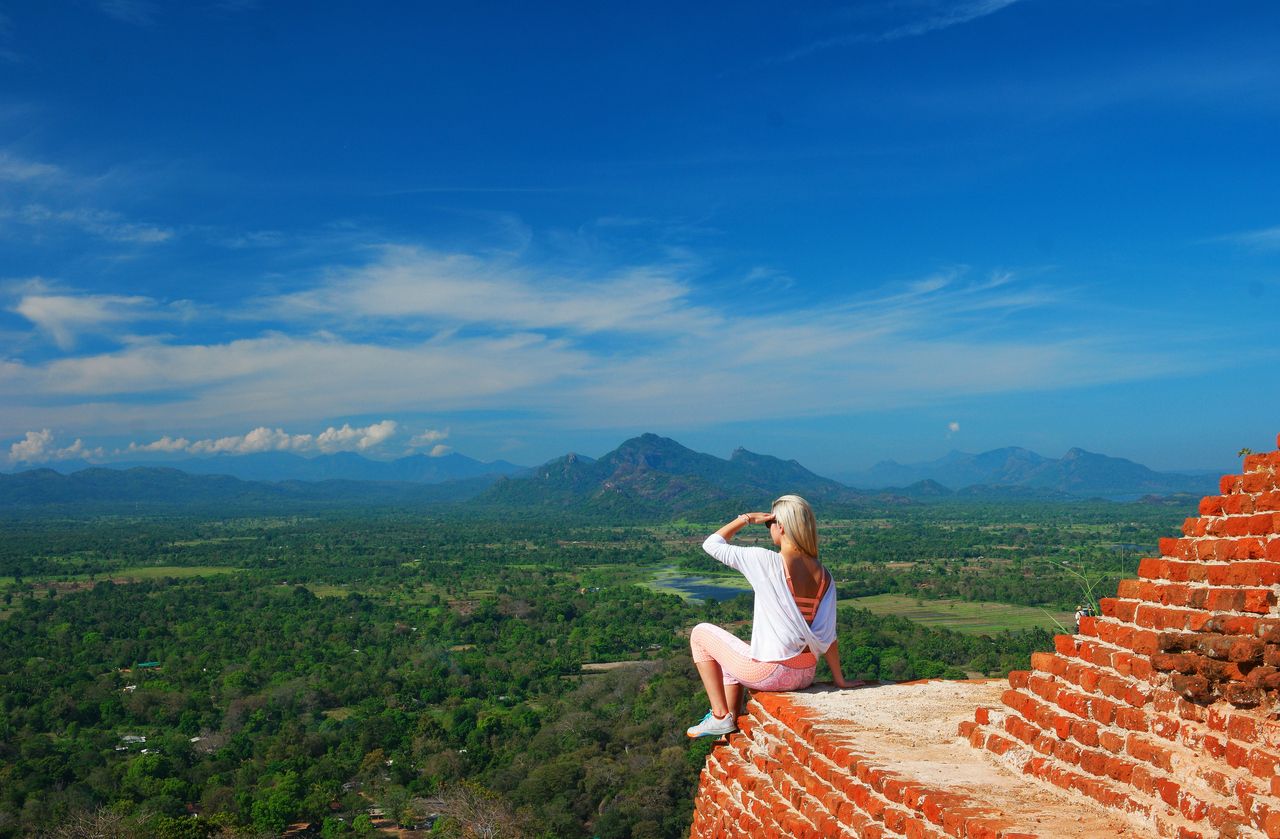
x=1265 y=239
x=264 y=439
x=261 y=439
x=937 y=16
x=165 y=444
x=440 y=450
x=413 y=285
x=14 y=168
x=357 y=439
x=951 y=14
x=39 y=447
x=137 y=12
x=510 y=347
x=953 y=427
x=104 y=224
x=429 y=437
x=64 y=316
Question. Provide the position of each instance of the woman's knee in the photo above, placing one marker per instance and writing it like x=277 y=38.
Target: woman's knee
x=698 y=639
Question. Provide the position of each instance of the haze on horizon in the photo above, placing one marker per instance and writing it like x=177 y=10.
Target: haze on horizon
x=842 y=234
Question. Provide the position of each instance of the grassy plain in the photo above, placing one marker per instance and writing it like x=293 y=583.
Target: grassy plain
x=156 y=572
x=975 y=618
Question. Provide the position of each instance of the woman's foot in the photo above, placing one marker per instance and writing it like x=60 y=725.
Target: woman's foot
x=713 y=726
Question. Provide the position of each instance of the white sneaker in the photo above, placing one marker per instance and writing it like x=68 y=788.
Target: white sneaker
x=713 y=726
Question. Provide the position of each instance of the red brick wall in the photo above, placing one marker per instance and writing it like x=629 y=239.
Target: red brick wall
x=1164 y=705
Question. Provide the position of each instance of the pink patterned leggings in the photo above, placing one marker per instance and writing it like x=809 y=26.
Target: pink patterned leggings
x=711 y=643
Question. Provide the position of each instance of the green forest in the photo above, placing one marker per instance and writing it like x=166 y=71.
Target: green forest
x=196 y=676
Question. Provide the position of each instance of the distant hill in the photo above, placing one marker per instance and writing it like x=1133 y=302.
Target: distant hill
x=100 y=489
x=349 y=466
x=647 y=477
x=652 y=475
x=1078 y=473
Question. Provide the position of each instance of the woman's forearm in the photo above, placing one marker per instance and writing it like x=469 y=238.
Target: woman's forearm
x=832 y=656
x=729 y=530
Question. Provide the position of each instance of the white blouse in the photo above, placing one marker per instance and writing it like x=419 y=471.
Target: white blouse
x=778 y=630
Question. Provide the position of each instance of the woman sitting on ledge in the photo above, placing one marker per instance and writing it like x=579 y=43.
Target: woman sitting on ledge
x=794 y=620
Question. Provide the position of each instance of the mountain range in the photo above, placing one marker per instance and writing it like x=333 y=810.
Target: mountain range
x=645 y=477
x=656 y=475
x=142 y=488
x=1077 y=473
x=349 y=466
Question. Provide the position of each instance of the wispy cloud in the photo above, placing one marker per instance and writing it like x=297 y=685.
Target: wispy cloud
x=137 y=12
x=1265 y=239
x=64 y=317
x=924 y=18
x=16 y=168
x=7 y=52
x=104 y=224
x=429 y=288
x=637 y=346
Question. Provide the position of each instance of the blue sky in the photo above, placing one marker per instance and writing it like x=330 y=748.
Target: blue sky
x=840 y=234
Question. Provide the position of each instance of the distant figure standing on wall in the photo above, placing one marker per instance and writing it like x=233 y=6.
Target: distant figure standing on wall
x=794 y=620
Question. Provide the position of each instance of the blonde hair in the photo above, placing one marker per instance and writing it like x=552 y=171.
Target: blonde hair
x=798 y=523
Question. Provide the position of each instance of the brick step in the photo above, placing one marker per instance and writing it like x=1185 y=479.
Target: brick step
x=883 y=761
x=1146 y=615
x=1240 y=668
x=1143 y=751
x=1197 y=545
x=1136 y=790
x=1254 y=598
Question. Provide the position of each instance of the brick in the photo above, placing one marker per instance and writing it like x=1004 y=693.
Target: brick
x=1175 y=662
x=1124 y=609
x=1131 y=719
x=1144 y=750
x=1111 y=741
x=1192 y=808
x=1169 y=791
x=1143 y=780
x=1145 y=643
x=1259 y=601
x=1262 y=765
x=1236 y=505
x=1166 y=727
x=1152 y=568
x=1252 y=547
x=1129 y=590
x=1102 y=710
x=1242 y=696
x=1225 y=600
x=1193 y=688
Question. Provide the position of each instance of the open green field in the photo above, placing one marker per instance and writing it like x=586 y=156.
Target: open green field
x=134 y=572
x=155 y=572
x=975 y=618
